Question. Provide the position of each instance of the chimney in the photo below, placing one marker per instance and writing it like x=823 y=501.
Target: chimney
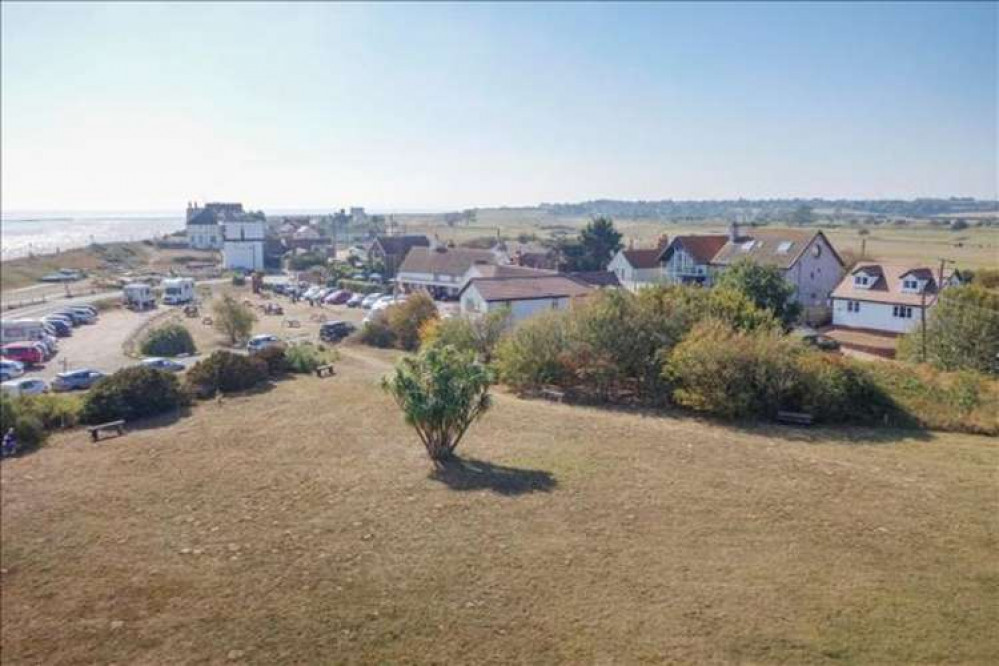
x=631 y=243
x=733 y=231
x=663 y=242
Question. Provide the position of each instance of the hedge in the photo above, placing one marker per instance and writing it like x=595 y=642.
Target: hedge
x=168 y=340
x=226 y=372
x=132 y=393
x=360 y=286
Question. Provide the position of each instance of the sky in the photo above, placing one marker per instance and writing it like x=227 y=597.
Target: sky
x=442 y=106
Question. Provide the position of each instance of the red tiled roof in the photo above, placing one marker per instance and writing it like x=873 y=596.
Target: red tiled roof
x=643 y=258
x=702 y=247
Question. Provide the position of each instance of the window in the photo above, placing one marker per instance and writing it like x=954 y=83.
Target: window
x=901 y=311
x=748 y=245
x=816 y=250
x=860 y=280
x=853 y=306
x=784 y=247
x=910 y=284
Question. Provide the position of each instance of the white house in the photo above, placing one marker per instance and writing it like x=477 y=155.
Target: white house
x=203 y=229
x=525 y=296
x=441 y=270
x=687 y=259
x=888 y=298
x=637 y=268
x=243 y=243
x=807 y=258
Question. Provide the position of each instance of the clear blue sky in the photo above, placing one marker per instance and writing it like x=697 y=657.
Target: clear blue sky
x=412 y=106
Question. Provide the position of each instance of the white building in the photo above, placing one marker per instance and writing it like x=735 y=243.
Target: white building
x=687 y=259
x=638 y=268
x=440 y=270
x=243 y=243
x=203 y=229
x=525 y=296
x=888 y=298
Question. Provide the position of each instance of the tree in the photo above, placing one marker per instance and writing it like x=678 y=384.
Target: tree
x=803 y=215
x=962 y=332
x=232 y=319
x=765 y=286
x=600 y=241
x=478 y=334
x=441 y=392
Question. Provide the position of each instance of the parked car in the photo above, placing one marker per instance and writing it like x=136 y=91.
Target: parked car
x=28 y=353
x=370 y=300
x=164 y=364
x=311 y=292
x=335 y=331
x=24 y=386
x=65 y=318
x=49 y=345
x=355 y=300
x=260 y=342
x=78 y=316
x=339 y=297
x=61 y=327
x=10 y=369
x=375 y=277
x=76 y=379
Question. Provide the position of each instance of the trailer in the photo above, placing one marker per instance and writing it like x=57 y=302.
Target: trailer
x=178 y=291
x=138 y=296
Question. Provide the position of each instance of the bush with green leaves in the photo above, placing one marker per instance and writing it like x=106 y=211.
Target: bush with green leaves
x=377 y=333
x=28 y=428
x=54 y=410
x=305 y=358
x=360 y=286
x=477 y=334
x=171 y=339
x=441 y=392
x=132 y=393
x=232 y=319
x=962 y=332
x=274 y=358
x=226 y=372
x=765 y=286
x=405 y=319
x=533 y=355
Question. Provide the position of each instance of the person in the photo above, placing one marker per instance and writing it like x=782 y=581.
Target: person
x=9 y=446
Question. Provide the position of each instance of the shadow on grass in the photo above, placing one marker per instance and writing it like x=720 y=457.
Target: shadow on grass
x=159 y=421
x=472 y=474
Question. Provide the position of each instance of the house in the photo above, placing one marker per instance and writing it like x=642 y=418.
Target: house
x=598 y=279
x=243 y=242
x=440 y=269
x=687 y=259
x=391 y=250
x=885 y=297
x=806 y=257
x=531 y=255
x=203 y=229
x=524 y=295
x=637 y=268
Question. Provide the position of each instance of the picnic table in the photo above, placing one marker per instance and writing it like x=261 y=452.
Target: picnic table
x=115 y=426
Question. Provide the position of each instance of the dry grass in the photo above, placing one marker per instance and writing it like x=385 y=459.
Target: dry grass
x=315 y=533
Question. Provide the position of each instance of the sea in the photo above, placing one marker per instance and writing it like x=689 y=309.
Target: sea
x=23 y=233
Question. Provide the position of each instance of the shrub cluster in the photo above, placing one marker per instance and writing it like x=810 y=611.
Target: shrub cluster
x=132 y=393
x=400 y=325
x=360 y=286
x=274 y=359
x=34 y=416
x=306 y=358
x=226 y=372
x=479 y=335
x=168 y=340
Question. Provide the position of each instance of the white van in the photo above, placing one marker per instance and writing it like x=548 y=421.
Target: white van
x=21 y=330
x=177 y=291
x=139 y=296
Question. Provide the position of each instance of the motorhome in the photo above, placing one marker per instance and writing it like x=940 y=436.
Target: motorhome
x=139 y=296
x=177 y=291
x=22 y=330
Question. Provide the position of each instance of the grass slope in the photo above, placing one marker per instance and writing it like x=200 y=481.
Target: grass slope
x=303 y=525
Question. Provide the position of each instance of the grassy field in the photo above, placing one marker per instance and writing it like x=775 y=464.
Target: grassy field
x=304 y=525
x=970 y=248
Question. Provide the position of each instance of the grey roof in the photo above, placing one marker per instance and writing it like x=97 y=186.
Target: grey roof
x=400 y=245
x=498 y=289
x=779 y=247
x=443 y=260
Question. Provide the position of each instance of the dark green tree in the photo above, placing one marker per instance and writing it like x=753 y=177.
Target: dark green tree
x=765 y=286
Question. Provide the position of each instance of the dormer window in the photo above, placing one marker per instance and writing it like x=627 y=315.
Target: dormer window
x=910 y=284
x=748 y=245
x=862 y=280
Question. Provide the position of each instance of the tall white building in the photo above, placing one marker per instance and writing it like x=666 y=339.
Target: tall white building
x=243 y=243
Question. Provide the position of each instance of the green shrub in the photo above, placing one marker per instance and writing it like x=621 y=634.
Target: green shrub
x=132 y=393
x=405 y=319
x=274 y=358
x=377 y=333
x=226 y=372
x=962 y=332
x=480 y=335
x=534 y=353
x=27 y=427
x=168 y=340
x=360 y=286
x=53 y=410
x=306 y=358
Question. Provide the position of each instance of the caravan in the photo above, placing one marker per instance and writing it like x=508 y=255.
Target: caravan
x=138 y=296
x=177 y=291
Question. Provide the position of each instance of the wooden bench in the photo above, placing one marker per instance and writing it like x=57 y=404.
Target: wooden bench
x=552 y=394
x=325 y=370
x=794 y=418
x=116 y=426
x=292 y=323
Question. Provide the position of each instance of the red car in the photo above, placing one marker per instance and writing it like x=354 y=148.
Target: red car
x=338 y=297
x=28 y=353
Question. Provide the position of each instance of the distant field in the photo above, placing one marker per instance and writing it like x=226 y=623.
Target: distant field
x=970 y=248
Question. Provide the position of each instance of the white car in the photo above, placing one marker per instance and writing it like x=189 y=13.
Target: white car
x=260 y=342
x=370 y=300
x=10 y=369
x=165 y=364
x=24 y=386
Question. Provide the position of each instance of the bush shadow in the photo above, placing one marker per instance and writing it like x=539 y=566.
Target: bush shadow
x=471 y=474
